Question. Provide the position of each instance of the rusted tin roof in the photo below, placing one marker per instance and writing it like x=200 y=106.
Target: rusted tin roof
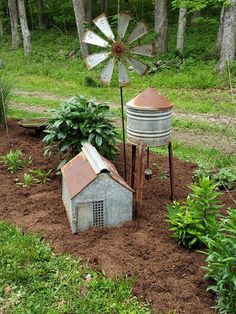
x=83 y=169
x=150 y=99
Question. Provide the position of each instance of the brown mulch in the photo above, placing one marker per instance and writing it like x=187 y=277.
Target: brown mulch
x=168 y=277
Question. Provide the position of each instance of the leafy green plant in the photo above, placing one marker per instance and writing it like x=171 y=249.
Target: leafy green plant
x=40 y=176
x=203 y=170
x=221 y=263
x=5 y=95
x=224 y=179
x=14 y=160
x=77 y=121
x=28 y=180
x=191 y=221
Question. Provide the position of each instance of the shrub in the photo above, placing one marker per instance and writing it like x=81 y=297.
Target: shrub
x=190 y=222
x=223 y=178
x=5 y=94
x=221 y=263
x=77 y=121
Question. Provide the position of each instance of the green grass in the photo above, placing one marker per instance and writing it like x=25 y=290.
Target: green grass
x=199 y=154
x=213 y=128
x=35 y=280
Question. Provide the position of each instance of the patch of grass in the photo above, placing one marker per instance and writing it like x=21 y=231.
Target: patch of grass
x=22 y=114
x=32 y=101
x=204 y=126
x=199 y=154
x=35 y=280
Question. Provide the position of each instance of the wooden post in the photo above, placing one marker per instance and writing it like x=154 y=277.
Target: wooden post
x=140 y=176
x=133 y=167
x=171 y=169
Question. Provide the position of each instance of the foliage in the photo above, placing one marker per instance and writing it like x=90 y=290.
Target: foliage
x=222 y=178
x=90 y=82
x=5 y=95
x=15 y=161
x=190 y=222
x=221 y=263
x=77 y=121
x=28 y=180
x=35 y=280
x=40 y=176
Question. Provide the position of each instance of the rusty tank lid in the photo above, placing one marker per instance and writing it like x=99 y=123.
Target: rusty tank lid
x=150 y=99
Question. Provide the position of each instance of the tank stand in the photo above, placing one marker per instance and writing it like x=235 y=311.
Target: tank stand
x=137 y=176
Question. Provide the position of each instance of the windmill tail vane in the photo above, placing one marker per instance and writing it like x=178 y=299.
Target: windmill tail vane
x=118 y=50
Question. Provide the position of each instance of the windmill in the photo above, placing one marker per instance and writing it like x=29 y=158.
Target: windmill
x=118 y=50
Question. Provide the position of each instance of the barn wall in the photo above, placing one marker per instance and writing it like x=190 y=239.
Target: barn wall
x=118 y=199
x=68 y=205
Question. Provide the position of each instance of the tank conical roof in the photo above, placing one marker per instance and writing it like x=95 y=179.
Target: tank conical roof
x=150 y=99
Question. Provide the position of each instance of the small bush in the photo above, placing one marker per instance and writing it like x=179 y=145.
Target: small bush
x=221 y=263
x=223 y=178
x=190 y=222
x=77 y=121
x=15 y=161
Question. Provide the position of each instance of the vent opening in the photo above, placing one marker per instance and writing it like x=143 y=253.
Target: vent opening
x=98 y=214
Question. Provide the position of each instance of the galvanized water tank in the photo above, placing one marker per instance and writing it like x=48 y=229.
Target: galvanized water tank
x=149 y=119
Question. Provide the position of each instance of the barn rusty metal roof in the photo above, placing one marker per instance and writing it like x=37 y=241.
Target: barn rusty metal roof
x=150 y=99
x=83 y=169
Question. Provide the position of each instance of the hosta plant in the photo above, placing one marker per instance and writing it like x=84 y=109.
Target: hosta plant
x=191 y=221
x=221 y=263
x=77 y=121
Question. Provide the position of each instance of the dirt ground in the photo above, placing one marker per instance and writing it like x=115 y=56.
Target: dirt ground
x=168 y=277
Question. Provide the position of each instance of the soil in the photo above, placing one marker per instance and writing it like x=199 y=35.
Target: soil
x=168 y=276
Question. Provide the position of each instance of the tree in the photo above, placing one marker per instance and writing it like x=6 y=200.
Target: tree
x=104 y=6
x=181 y=29
x=24 y=27
x=1 y=27
x=80 y=18
x=89 y=10
x=12 y=5
x=161 y=26
x=42 y=21
x=227 y=34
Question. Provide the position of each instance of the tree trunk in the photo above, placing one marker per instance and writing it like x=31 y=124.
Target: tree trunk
x=42 y=21
x=161 y=26
x=227 y=42
x=181 y=29
x=220 y=31
x=1 y=27
x=89 y=10
x=12 y=5
x=104 y=6
x=24 y=27
x=80 y=18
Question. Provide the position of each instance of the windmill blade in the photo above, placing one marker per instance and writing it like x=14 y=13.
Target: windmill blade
x=102 y=23
x=139 y=67
x=123 y=75
x=107 y=72
x=144 y=50
x=139 y=31
x=91 y=38
x=96 y=58
x=123 y=23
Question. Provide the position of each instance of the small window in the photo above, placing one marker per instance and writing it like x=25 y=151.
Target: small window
x=98 y=213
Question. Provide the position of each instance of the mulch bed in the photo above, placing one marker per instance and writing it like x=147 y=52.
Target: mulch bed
x=168 y=277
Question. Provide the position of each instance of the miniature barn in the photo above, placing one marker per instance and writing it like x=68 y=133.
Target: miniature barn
x=93 y=192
